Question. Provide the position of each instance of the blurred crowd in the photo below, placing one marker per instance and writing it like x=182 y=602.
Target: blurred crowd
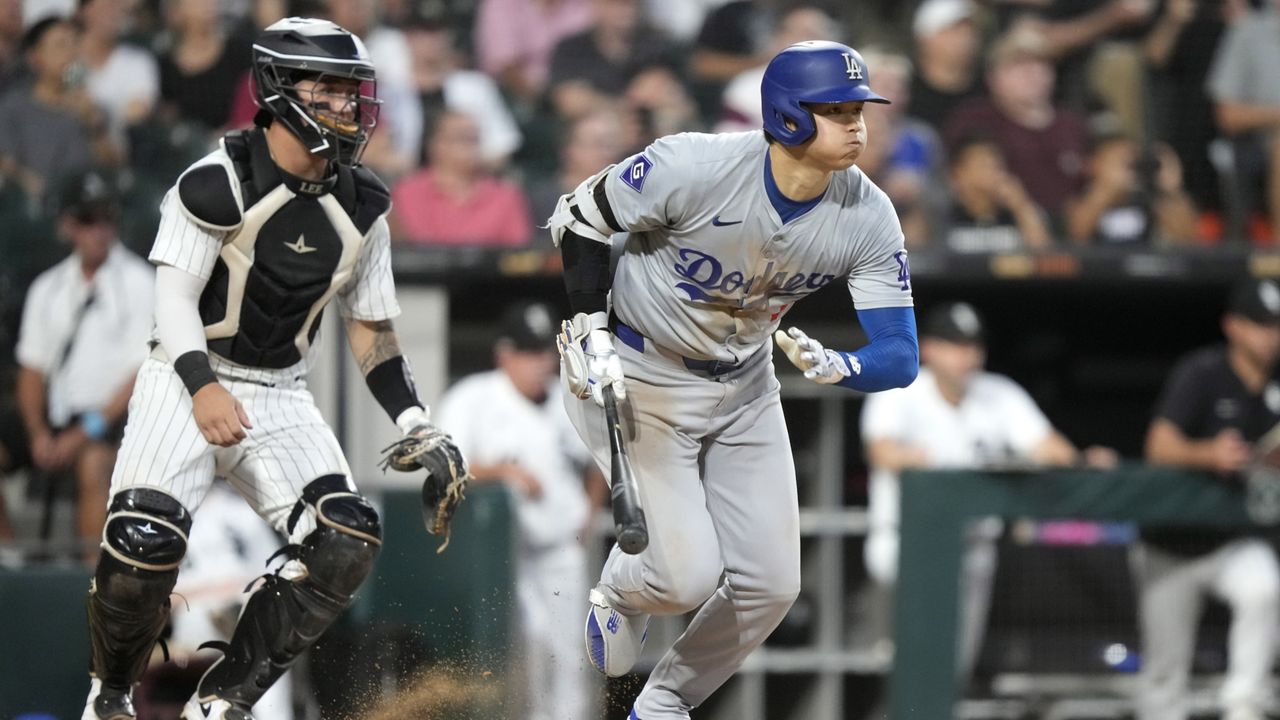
x=1015 y=123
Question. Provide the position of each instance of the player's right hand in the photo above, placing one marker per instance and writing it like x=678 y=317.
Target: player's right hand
x=590 y=361
x=219 y=415
x=818 y=363
x=1228 y=452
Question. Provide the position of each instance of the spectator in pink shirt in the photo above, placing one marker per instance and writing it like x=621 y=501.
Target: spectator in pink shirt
x=453 y=201
x=514 y=39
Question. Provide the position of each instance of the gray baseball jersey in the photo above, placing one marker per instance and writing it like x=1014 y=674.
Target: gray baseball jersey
x=708 y=271
x=710 y=268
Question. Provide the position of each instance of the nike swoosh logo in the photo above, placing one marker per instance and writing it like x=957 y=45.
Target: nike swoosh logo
x=301 y=247
x=724 y=223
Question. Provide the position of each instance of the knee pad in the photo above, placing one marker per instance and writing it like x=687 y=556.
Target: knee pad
x=340 y=552
x=143 y=542
x=285 y=616
x=146 y=529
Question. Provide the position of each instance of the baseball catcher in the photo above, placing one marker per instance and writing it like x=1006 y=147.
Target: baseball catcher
x=256 y=241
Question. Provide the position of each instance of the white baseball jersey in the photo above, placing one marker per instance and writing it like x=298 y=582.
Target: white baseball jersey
x=369 y=294
x=290 y=444
x=110 y=338
x=995 y=423
x=710 y=268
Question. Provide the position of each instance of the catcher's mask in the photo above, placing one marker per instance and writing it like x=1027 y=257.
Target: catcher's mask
x=318 y=80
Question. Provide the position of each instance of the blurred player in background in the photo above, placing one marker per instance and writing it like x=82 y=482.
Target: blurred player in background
x=1216 y=403
x=512 y=427
x=726 y=233
x=955 y=415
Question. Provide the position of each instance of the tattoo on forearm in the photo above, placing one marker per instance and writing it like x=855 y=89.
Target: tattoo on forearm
x=384 y=347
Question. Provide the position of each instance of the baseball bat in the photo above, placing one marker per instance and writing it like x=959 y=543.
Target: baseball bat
x=628 y=516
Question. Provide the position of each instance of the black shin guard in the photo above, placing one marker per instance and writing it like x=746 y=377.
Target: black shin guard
x=285 y=617
x=128 y=609
x=128 y=602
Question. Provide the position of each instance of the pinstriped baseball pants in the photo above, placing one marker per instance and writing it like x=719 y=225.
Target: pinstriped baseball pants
x=289 y=446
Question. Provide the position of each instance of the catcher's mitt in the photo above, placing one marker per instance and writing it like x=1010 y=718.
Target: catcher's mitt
x=432 y=449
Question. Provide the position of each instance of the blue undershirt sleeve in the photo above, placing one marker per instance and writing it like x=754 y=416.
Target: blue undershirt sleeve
x=892 y=357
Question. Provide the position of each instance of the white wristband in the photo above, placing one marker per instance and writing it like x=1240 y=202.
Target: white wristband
x=412 y=418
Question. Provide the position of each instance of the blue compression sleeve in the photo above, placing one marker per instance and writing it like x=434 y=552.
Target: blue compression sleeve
x=892 y=357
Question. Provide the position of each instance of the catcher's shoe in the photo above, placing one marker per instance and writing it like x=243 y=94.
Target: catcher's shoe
x=212 y=709
x=106 y=703
x=614 y=640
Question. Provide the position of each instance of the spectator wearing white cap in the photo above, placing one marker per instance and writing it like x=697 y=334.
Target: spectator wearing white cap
x=947 y=65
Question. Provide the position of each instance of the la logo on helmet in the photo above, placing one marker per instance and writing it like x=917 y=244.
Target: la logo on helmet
x=852 y=67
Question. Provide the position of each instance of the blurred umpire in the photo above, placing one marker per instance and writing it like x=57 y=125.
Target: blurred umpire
x=84 y=331
x=1216 y=404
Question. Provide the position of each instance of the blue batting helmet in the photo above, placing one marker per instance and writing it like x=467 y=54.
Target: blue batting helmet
x=814 y=71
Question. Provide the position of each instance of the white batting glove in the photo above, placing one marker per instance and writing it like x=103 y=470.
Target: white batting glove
x=818 y=363
x=590 y=361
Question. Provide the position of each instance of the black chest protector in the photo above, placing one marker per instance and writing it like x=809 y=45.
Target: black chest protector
x=292 y=245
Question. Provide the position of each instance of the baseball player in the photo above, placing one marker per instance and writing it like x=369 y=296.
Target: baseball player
x=726 y=233
x=255 y=240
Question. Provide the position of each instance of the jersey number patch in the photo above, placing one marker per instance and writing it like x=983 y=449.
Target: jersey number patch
x=637 y=173
x=904 y=269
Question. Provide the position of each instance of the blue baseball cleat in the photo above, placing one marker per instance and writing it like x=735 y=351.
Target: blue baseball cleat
x=614 y=640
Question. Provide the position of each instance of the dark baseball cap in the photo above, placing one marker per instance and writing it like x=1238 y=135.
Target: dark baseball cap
x=956 y=322
x=530 y=326
x=89 y=195
x=1256 y=300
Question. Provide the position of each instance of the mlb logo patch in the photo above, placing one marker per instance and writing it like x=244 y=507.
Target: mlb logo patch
x=637 y=173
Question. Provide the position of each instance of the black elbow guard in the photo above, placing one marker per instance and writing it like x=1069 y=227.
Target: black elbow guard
x=587 y=275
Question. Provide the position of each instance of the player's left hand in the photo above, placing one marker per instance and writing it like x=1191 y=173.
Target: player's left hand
x=591 y=363
x=818 y=363
x=427 y=447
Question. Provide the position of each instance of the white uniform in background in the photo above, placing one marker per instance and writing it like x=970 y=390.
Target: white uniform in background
x=996 y=424
x=493 y=423
x=103 y=347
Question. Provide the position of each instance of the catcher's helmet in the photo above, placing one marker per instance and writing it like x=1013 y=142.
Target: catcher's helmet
x=295 y=49
x=814 y=71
